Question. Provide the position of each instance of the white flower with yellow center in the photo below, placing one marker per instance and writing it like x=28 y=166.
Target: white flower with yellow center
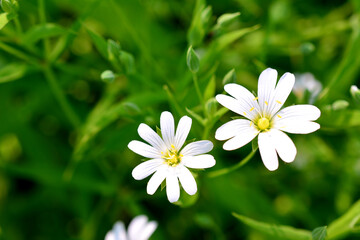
x=139 y=229
x=168 y=159
x=264 y=118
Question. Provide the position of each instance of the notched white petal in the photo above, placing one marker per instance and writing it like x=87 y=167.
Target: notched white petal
x=182 y=131
x=147 y=231
x=143 y=149
x=187 y=181
x=267 y=151
x=156 y=179
x=172 y=188
x=196 y=148
x=167 y=126
x=150 y=136
x=199 y=162
x=284 y=146
x=232 y=128
x=147 y=168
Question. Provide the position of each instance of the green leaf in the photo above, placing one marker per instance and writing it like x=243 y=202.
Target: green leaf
x=108 y=76
x=128 y=61
x=113 y=49
x=340 y=119
x=275 y=231
x=211 y=107
x=340 y=104
x=230 y=77
x=12 y=72
x=319 y=233
x=10 y=6
x=4 y=19
x=196 y=116
x=192 y=60
x=344 y=224
x=199 y=23
x=100 y=43
x=226 y=19
x=42 y=31
x=210 y=88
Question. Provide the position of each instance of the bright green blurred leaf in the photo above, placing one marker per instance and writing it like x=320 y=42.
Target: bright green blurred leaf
x=100 y=43
x=192 y=60
x=230 y=77
x=319 y=233
x=226 y=19
x=4 y=19
x=196 y=116
x=211 y=107
x=42 y=31
x=275 y=231
x=340 y=105
x=13 y=72
x=210 y=88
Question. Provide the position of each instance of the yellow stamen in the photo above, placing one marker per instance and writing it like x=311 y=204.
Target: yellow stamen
x=256 y=98
x=278 y=102
x=278 y=116
x=263 y=123
x=251 y=123
x=251 y=109
x=266 y=102
x=244 y=113
x=172 y=146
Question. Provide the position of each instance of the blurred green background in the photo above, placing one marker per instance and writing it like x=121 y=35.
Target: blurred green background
x=65 y=169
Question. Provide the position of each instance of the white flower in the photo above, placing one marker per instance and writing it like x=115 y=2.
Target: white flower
x=265 y=119
x=307 y=82
x=139 y=229
x=168 y=159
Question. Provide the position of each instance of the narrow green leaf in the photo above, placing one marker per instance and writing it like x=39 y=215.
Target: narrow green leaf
x=226 y=19
x=192 y=60
x=113 y=49
x=275 y=231
x=196 y=116
x=230 y=77
x=4 y=19
x=100 y=44
x=210 y=88
x=42 y=31
x=211 y=107
x=319 y=233
x=12 y=72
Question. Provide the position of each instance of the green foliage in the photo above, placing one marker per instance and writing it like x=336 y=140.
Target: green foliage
x=77 y=77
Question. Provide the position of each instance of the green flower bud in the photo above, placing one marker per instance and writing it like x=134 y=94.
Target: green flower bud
x=355 y=93
x=230 y=77
x=340 y=104
x=10 y=6
x=193 y=61
x=108 y=76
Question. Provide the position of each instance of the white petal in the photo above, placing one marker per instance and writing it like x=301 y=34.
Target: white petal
x=232 y=128
x=267 y=151
x=234 y=105
x=199 y=162
x=147 y=168
x=167 y=126
x=240 y=130
x=118 y=232
x=187 y=181
x=295 y=126
x=245 y=98
x=282 y=91
x=299 y=112
x=172 y=188
x=136 y=226
x=182 y=131
x=143 y=149
x=151 y=137
x=266 y=86
x=196 y=148
x=156 y=179
x=284 y=146
x=147 y=231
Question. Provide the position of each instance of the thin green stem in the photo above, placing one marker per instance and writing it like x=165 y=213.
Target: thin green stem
x=18 y=26
x=233 y=168
x=42 y=15
x=18 y=54
x=197 y=88
x=173 y=100
x=60 y=97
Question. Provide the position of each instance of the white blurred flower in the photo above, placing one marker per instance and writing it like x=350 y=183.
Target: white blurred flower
x=265 y=119
x=307 y=82
x=168 y=159
x=139 y=229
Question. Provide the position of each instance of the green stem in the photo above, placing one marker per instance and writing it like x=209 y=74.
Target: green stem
x=233 y=168
x=42 y=16
x=60 y=97
x=173 y=100
x=197 y=88
x=18 y=26
x=17 y=53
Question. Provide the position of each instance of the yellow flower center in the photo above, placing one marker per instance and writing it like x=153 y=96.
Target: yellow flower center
x=172 y=157
x=263 y=123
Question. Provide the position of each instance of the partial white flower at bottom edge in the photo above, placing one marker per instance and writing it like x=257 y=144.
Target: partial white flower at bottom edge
x=265 y=119
x=139 y=229
x=168 y=159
